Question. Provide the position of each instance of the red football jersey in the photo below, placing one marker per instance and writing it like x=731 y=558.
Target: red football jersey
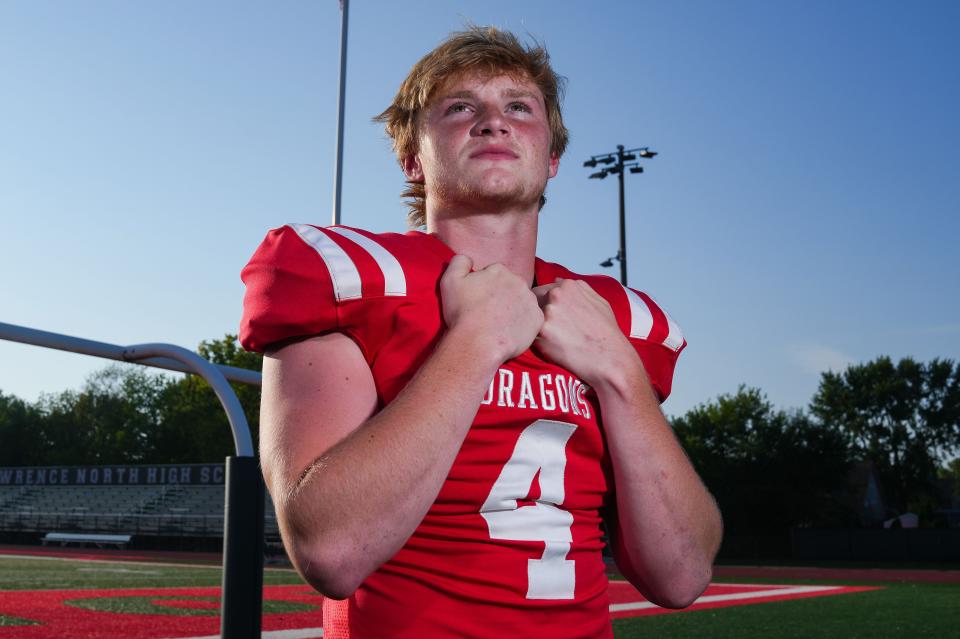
x=512 y=544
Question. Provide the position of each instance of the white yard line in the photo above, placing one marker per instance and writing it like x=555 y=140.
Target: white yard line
x=756 y=594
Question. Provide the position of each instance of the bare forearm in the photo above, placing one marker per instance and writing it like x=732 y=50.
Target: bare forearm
x=669 y=528
x=358 y=503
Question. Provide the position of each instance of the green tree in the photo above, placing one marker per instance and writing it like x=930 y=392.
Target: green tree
x=109 y=421
x=903 y=417
x=768 y=469
x=194 y=426
x=228 y=352
x=23 y=443
x=952 y=472
x=130 y=414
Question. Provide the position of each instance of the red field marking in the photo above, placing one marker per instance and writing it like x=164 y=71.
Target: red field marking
x=59 y=619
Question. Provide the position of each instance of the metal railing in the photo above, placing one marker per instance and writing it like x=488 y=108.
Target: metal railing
x=242 y=600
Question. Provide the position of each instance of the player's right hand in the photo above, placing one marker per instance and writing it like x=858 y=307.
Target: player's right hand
x=493 y=306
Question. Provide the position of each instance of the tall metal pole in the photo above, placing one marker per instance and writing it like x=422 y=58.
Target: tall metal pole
x=623 y=219
x=338 y=170
x=622 y=160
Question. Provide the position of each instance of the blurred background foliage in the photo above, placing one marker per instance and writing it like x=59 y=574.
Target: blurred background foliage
x=769 y=469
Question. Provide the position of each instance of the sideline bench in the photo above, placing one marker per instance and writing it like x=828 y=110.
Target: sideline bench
x=120 y=541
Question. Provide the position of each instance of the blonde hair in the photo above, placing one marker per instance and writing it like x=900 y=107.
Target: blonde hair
x=484 y=50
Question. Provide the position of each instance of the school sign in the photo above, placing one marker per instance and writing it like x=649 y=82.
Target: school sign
x=156 y=474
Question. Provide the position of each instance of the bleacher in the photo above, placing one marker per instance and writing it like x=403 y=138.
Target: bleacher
x=164 y=510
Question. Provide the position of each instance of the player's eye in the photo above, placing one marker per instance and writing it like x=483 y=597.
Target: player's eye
x=458 y=107
x=519 y=107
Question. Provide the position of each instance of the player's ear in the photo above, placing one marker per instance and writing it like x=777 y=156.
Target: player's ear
x=554 y=164
x=412 y=168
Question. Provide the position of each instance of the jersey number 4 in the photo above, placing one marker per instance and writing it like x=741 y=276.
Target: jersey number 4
x=540 y=448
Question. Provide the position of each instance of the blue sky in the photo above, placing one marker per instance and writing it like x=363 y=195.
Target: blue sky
x=802 y=213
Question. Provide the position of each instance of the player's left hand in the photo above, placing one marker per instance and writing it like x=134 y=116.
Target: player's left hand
x=580 y=331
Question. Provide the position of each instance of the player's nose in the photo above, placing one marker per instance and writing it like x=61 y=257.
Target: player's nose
x=491 y=122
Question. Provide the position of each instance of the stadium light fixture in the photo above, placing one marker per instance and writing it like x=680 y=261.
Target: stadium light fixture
x=622 y=159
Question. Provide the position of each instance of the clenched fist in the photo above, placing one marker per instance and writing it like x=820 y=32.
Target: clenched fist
x=580 y=331
x=493 y=306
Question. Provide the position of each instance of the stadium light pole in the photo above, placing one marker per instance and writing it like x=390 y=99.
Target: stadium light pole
x=621 y=160
x=338 y=166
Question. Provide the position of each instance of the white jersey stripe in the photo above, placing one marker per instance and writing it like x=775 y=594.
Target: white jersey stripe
x=343 y=272
x=641 y=319
x=394 y=281
x=675 y=338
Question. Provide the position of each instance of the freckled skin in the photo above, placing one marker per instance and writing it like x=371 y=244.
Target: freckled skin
x=470 y=114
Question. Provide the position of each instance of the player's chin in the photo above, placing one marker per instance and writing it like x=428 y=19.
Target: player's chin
x=501 y=193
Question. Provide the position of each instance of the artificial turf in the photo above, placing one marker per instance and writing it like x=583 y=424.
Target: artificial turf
x=898 y=610
x=23 y=573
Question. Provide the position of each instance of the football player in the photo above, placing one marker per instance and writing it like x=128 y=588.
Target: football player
x=447 y=420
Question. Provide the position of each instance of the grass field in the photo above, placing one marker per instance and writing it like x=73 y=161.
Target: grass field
x=895 y=610
x=27 y=573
